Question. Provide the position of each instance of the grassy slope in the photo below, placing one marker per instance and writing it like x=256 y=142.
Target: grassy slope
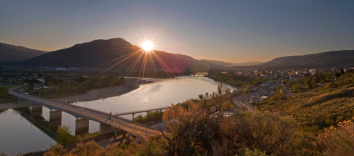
x=7 y=100
x=317 y=108
x=11 y=86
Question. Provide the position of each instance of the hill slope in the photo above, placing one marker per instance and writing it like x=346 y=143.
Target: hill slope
x=324 y=59
x=341 y=58
x=12 y=53
x=116 y=53
x=230 y=64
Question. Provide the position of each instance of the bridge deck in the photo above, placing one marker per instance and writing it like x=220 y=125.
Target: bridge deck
x=135 y=129
x=140 y=111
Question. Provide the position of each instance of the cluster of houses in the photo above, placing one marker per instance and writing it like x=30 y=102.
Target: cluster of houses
x=288 y=74
x=264 y=90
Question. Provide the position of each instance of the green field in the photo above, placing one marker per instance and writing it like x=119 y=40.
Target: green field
x=11 y=86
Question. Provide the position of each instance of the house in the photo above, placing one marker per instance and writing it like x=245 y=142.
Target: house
x=313 y=71
x=264 y=97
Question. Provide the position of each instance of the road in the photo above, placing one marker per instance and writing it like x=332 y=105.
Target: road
x=242 y=101
x=135 y=129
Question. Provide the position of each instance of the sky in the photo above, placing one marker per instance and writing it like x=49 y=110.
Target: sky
x=232 y=31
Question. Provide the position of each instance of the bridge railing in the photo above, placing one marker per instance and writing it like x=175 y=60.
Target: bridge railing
x=125 y=122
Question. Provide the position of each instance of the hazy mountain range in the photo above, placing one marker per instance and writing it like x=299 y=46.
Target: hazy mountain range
x=230 y=64
x=121 y=54
x=12 y=53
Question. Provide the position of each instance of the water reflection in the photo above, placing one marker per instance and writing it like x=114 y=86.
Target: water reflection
x=18 y=134
x=33 y=129
x=158 y=94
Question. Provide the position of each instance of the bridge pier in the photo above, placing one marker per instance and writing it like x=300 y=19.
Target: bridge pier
x=133 y=117
x=36 y=110
x=54 y=119
x=104 y=128
x=81 y=126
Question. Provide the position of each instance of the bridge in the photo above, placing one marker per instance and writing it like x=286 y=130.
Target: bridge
x=106 y=120
x=141 y=111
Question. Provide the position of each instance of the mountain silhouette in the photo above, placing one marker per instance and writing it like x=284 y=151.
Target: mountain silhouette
x=12 y=53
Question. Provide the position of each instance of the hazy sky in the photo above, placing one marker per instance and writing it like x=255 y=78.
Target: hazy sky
x=233 y=31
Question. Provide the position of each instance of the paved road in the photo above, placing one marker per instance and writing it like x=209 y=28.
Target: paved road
x=242 y=101
x=135 y=129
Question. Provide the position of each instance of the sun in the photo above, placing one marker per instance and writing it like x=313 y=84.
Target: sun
x=147 y=46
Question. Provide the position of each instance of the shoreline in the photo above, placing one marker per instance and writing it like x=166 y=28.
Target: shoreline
x=102 y=93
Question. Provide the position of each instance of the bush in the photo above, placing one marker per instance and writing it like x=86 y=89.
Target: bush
x=296 y=88
x=86 y=149
x=254 y=153
x=149 y=117
x=64 y=136
x=272 y=134
x=4 y=92
x=246 y=91
x=338 y=141
x=55 y=150
x=309 y=86
x=154 y=147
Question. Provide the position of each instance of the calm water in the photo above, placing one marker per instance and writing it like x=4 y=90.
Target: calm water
x=161 y=93
x=18 y=134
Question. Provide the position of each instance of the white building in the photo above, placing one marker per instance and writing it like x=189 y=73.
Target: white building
x=313 y=71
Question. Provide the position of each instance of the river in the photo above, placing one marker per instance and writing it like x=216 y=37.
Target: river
x=18 y=134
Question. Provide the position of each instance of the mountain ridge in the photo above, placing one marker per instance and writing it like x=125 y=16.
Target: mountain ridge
x=13 y=53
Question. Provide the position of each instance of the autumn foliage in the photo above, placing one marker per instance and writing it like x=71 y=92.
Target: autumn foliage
x=338 y=141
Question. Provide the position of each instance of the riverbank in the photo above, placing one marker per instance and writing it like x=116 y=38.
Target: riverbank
x=102 y=93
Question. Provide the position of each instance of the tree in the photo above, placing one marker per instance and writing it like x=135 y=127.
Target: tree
x=55 y=150
x=296 y=87
x=309 y=85
x=246 y=91
x=63 y=135
x=88 y=148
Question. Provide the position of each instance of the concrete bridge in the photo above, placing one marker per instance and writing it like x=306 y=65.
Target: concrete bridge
x=107 y=121
x=141 y=111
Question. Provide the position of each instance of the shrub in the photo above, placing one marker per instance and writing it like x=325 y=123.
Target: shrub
x=55 y=150
x=338 y=141
x=254 y=153
x=86 y=149
x=246 y=91
x=64 y=136
x=151 y=116
x=265 y=132
x=296 y=88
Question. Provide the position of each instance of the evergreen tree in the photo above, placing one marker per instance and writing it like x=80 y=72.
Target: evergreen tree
x=309 y=85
